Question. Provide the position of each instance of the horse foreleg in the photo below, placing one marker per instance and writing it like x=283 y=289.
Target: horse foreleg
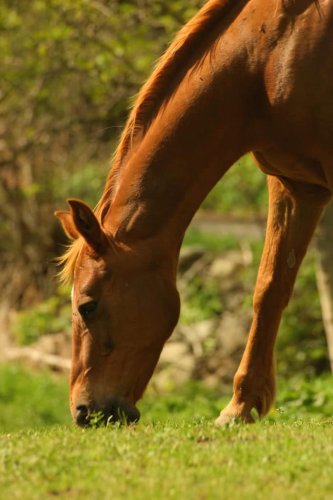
x=294 y=210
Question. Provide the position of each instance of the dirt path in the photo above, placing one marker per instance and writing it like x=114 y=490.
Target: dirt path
x=211 y=222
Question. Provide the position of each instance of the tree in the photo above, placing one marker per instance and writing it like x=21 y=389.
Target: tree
x=325 y=275
x=69 y=71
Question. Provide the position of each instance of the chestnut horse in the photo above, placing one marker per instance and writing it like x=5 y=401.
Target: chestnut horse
x=242 y=75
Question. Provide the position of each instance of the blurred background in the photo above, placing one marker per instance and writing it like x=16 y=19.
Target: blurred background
x=70 y=70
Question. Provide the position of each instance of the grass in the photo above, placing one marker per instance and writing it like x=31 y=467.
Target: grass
x=184 y=461
x=192 y=460
x=30 y=399
x=174 y=452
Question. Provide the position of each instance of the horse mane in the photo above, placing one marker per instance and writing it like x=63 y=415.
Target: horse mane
x=157 y=87
x=68 y=259
x=149 y=101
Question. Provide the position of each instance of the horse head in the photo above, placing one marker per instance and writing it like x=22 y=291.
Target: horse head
x=124 y=307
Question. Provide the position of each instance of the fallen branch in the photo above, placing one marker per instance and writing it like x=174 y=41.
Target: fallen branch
x=38 y=357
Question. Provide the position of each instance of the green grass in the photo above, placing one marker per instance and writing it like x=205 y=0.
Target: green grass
x=30 y=399
x=174 y=452
x=192 y=460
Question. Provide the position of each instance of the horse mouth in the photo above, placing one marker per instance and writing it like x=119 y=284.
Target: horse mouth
x=113 y=412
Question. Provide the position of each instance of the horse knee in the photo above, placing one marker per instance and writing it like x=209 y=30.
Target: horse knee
x=274 y=294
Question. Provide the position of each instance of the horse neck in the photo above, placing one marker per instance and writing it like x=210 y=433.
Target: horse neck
x=195 y=137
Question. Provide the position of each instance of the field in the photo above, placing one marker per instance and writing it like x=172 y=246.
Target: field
x=70 y=72
x=174 y=452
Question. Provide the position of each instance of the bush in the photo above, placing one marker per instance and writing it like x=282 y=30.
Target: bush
x=51 y=316
x=242 y=191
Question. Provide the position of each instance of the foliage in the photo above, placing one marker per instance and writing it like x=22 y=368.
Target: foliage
x=211 y=242
x=242 y=191
x=50 y=316
x=303 y=396
x=202 y=300
x=87 y=182
x=301 y=344
x=69 y=71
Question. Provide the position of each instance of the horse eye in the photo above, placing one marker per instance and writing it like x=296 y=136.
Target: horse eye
x=87 y=309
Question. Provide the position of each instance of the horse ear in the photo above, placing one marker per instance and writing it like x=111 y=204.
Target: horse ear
x=87 y=225
x=66 y=220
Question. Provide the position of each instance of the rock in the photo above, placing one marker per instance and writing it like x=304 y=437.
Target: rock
x=227 y=264
x=175 y=366
x=173 y=352
x=231 y=333
x=58 y=344
x=196 y=335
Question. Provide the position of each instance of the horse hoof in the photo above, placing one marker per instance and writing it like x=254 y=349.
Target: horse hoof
x=228 y=419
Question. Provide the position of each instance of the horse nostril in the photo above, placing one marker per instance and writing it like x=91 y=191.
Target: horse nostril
x=81 y=415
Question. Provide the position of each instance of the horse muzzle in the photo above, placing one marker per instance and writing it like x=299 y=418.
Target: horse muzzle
x=112 y=412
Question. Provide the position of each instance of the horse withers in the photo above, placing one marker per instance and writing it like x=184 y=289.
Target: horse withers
x=241 y=76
